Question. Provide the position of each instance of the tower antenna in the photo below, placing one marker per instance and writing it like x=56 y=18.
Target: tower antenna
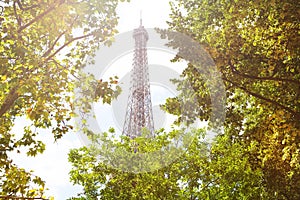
x=141 y=18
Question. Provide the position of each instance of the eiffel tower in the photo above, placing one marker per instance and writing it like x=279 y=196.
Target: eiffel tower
x=139 y=114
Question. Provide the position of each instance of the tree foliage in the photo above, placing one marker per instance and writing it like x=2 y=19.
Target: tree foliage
x=199 y=173
x=43 y=46
x=255 y=45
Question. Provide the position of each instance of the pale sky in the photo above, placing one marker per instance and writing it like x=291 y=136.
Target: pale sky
x=155 y=13
x=53 y=164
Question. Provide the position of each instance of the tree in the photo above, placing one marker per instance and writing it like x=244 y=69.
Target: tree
x=255 y=45
x=44 y=45
x=221 y=172
x=104 y=181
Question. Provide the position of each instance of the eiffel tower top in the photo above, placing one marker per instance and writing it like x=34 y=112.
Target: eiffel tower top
x=140 y=31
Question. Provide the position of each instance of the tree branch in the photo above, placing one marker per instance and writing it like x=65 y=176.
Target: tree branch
x=36 y=18
x=13 y=95
x=66 y=44
x=25 y=9
x=270 y=78
x=16 y=15
x=58 y=64
x=296 y=114
x=9 y=101
x=56 y=40
x=53 y=45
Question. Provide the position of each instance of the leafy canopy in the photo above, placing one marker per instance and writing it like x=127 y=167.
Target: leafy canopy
x=255 y=45
x=43 y=46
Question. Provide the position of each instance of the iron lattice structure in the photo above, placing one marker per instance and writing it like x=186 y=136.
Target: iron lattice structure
x=139 y=114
